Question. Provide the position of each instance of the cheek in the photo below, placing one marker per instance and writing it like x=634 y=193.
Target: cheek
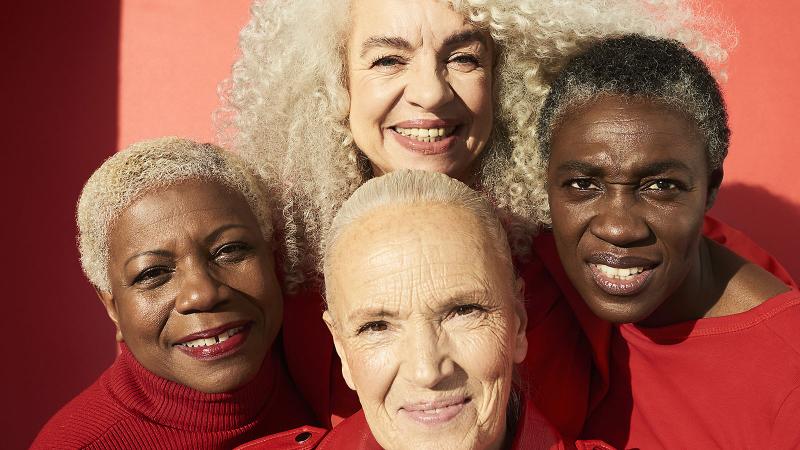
x=370 y=102
x=476 y=93
x=372 y=370
x=485 y=353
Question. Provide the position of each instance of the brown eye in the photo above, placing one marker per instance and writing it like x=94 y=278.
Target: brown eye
x=583 y=184
x=464 y=310
x=661 y=185
x=465 y=61
x=152 y=275
x=232 y=252
x=373 y=327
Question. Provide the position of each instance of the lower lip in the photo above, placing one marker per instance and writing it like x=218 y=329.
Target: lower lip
x=219 y=350
x=444 y=415
x=425 y=148
x=617 y=286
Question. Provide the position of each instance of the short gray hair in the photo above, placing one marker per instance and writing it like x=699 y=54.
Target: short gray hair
x=147 y=166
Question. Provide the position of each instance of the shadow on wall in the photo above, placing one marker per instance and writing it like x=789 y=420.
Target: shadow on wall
x=60 y=92
x=771 y=221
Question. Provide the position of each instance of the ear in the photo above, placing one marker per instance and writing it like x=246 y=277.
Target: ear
x=111 y=310
x=337 y=343
x=714 y=182
x=521 y=336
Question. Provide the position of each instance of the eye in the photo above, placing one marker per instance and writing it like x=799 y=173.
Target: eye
x=465 y=310
x=465 y=61
x=232 y=252
x=373 y=327
x=151 y=276
x=583 y=184
x=661 y=185
x=387 y=63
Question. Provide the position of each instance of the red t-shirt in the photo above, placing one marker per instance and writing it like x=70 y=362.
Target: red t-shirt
x=724 y=382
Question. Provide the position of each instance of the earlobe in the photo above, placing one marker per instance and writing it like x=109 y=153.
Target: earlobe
x=111 y=309
x=328 y=319
x=714 y=182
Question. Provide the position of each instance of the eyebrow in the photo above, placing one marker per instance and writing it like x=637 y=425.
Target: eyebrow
x=210 y=238
x=161 y=253
x=400 y=43
x=372 y=312
x=369 y=313
x=216 y=233
x=648 y=170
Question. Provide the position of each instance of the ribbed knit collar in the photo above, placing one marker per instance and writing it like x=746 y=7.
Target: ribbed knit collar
x=177 y=406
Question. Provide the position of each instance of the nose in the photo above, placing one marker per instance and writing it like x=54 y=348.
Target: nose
x=199 y=290
x=620 y=221
x=427 y=362
x=428 y=87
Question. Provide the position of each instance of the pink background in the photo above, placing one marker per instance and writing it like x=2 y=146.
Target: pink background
x=86 y=78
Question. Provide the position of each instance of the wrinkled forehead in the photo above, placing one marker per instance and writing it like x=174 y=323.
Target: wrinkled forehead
x=414 y=257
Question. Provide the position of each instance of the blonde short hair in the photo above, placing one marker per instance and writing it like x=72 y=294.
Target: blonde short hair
x=147 y=166
x=287 y=103
x=417 y=188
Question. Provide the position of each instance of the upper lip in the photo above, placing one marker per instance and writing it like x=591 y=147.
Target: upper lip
x=425 y=123
x=210 y=332
x=433 y=404
x=621 y=262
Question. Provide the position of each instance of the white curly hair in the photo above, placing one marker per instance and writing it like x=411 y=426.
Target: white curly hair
x=285 y=106
x=148 y=166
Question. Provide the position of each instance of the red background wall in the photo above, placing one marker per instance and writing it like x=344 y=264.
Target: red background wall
x=86 y=78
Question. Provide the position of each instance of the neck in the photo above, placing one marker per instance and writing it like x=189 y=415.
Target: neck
x=699 y=293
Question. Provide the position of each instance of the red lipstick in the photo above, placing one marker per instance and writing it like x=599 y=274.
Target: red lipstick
x=215 y=343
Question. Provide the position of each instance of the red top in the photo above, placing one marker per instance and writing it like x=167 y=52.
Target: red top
x=567 y=363
x=723 y=382
x=130 y=407
x=533 y=432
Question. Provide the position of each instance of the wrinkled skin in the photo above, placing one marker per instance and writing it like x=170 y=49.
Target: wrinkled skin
x=418 y=61
x=423 y=309
x=629 y=178
x=185 y=259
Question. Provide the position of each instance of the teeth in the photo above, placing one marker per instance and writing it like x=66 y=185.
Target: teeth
x=205 y=342
x=613 y=272
x=424 y=134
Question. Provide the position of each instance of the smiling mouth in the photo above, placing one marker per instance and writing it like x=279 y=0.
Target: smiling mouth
x=426 y=134
x=435 y=413
x=621 y=281
x=213 y=340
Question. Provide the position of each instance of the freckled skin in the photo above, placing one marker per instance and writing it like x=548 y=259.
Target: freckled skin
x=429 y=80
x=213 y=267
x=422 y=308
x=631 y=178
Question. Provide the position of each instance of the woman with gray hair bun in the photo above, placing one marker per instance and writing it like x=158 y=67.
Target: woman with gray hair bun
x=327 y=95
x=177 y=238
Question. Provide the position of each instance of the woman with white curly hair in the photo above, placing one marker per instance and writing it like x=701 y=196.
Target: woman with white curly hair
x=176 y=237
x=327 y=95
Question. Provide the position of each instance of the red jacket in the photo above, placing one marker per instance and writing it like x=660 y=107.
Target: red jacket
x=568 y=354
x=533 y=432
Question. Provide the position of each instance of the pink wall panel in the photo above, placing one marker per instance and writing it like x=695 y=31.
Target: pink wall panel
x=172 y=55
x=761 y=192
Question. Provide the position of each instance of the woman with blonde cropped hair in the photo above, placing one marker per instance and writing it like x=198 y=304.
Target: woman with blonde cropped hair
x=176 y=237
x=327 y=95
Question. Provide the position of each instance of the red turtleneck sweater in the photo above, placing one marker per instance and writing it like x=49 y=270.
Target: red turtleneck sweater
x=130 y=407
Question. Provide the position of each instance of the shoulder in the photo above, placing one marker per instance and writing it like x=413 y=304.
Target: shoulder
x=352 y=434
x=82 y=421
x=301 y=438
